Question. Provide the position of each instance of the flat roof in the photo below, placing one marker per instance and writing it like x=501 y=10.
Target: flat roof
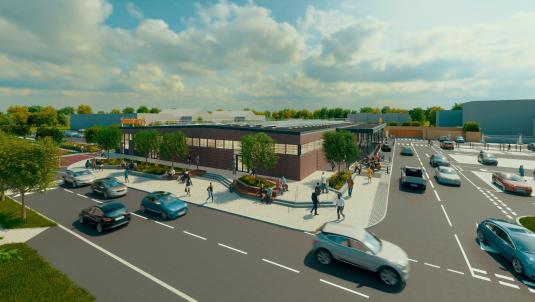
x=364 y=128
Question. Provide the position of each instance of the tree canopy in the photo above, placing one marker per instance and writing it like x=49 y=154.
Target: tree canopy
x=340 y=146
x=129 y=110
x=143 y=109
x=108 y=138
x=457 y=106
x=54 y=133
x=258 y=151
x=84 y=109
x=147 y=142
x=174 y=146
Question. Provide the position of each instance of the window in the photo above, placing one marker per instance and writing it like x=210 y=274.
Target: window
x=339 y=240
x=195 y=142
x=202 y=142
x=291 y=149
x=237 y=145
x=210 y=143
x=219 y=144
x=280 y=148
x=228 y=145
x=188 y=141
x=357 y=245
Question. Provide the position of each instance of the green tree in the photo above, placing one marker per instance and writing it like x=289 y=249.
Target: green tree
x=457 y=106
x=35 y=108
x=4 y=119
x=84 y=109
x=32 y=168
x=385 y=109
x=431 y=114
x=143 y=109
x=91 y=134
x=18 y=114
x=115 y=111
x=471 y=127
x=47 y=116
x=5 y=158
x=155 y=110
x=174 y=146
x=258 y=151
x=109 y=138
x=129 y=110
x=147 y=142
x=340 y=146
x=54 y=133
x=417 y=114
x=366 y=110
x=66 y=110
x=101 y=112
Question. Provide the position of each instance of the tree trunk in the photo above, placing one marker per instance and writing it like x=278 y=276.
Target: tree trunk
x=339 y=167
x=23 y=207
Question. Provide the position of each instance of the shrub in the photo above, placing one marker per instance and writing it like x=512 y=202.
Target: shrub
x=256 y=181
x=406 y=124
x=78 y=147
x=338 y=179
x=392 y=124
x=416 y=124
x=471 y=127
x=528 y=222
x=53 y=132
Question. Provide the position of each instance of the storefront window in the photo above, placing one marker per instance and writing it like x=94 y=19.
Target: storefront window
x=219 y=144
x=195 y=142
x=237 y=145
x=202 y=142
x=188 y=141
x=280 y=148
x=228 y=144
x=291 y=149
x=210 y=143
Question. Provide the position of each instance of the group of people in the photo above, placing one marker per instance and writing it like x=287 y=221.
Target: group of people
x=131 y=165
x=94 y=164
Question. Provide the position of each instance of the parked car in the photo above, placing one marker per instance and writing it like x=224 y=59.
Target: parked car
x=109 y=187
x=438 y=160
x=78 y=177
x=358 y=247
x=447 y=145
x=386 y=147
x=105 y=216
x=447 y=176
x=412 y=177
x=165 y=204
x=486 y=158
x=514 y=242
x=459 y=140
x=531 y=146
x=443 y=138
x=510 y=182
x=406 y=151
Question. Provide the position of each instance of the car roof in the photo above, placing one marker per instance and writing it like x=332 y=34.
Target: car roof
x=439 y=155
x=407 y=147
x=412 y=168
x=111 y=206
x=344 y=230
x=159 y=193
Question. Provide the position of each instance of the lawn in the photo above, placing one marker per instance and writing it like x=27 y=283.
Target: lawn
x=528 y=222
x=33 y=279
x=10 y=217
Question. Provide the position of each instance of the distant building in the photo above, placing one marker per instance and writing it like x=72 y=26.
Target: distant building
x=449 y=118
x=84 y=121
x=361 y=117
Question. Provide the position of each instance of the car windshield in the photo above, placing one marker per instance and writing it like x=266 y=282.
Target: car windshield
x=448 y=142
x=488 y=155
x=112 y=183
x=413 y=172
x=168 y=199
x=525 y=243
x=407 y=149
x=439 y=156
x=447 y=170
x=83 y=172
x=513 y=177
x=372 y=242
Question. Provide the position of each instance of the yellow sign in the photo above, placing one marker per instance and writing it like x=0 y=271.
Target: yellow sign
x=133 y=121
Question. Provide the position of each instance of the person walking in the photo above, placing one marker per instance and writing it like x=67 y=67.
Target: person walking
x=350 y=184
x=87 y=164
x=315 y=203
x=94 y=164
x=340 y=203
x=369 y=172
x=210 y=190
x=197 y=161
x=323 y=183
x=126 y=175
x=317 y=189
x=521 y=171
x=269 y=195
x=189 y=160
x=188 y=186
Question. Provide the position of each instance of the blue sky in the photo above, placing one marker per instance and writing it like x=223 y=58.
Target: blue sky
x=265 y=54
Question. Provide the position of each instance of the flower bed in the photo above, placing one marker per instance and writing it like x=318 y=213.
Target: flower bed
x=256 y=181
x=78 y=147
x=141 y=166
x=338 y=179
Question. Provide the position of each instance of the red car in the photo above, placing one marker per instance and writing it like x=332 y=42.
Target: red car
x=511 y=183
x=447 y=145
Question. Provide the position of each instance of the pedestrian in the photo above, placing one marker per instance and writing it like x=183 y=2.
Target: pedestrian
x=210 y=190
x=197 y=161
x=369 y=172
x=340 y=203
x=87 y=164
x=82 y=148
x=189 y=159
x=315 y=203
x=93 y=164
x=333 y=165
x=521 y=171
x=357 y=168
x=123 y=164
x=126 y=175
x=101 y=165
x=350 y=184
x=323 y=183
x=284 y=183
x=317 y=188
x=269 y=195
x=188 y=186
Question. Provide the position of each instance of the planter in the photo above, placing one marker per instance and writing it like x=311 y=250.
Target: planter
x=530 y=226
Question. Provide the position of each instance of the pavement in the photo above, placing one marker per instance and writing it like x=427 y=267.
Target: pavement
x=18 y=235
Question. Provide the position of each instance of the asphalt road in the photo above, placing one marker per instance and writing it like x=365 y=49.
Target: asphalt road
x=213 y=256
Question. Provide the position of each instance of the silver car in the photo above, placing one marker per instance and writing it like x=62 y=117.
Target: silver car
x=109 y=187
x=78 y=177
x=447 y=176
x=358 y=247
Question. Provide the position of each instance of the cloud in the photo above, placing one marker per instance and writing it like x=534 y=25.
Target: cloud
x=134 y=11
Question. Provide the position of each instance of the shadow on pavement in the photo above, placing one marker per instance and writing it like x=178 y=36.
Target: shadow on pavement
x=90 y=230
x=410 y=190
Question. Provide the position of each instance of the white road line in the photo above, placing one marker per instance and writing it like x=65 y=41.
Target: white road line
x=495 y=203
x=308 y=233
x=446 y=214
x=436 y=194
x=280 y=265
x=431 y=265
x=479 y=271
x=346 y=289
x=480 y=277
x=431 y=183
x=97 y=201
x=509 y=284
x=514 y=213
x=131 y=266
x=413 y=260
x=464 y=254
x=531 y=290
x=509 y=216
x=165 y=225
x=191 y=234
x=454 y=271
x=499 y=208
x=504 y=277
x=427 y=155
x=427 y=175
x=504 y=212
x=142 y=217
x=68 y=191
x=231 y=248
x=81 y=195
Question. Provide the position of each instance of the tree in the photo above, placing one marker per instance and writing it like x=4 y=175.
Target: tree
x=66 y=110
x=174 y=146
x=128 y=110
x=54 y=133
x=92 y=133
x=46 y=116
x=155 y=110
x=108 y=138
x=4 y=119
x=258 y=151
x=115 y=111
x=64 y=119
x=417 y=114
x=471 y=127
x=340 y=146
x=385 y=109
x=32 y=168
x=18 y=114
x=35 y=108
x=84 y=109
x=5 y=157
x=143 y=109
x=457 y=106
x=431 y=114
x=101 y=112
x=147 y=142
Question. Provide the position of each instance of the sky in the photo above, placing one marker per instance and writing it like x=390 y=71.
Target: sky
x=265 y=54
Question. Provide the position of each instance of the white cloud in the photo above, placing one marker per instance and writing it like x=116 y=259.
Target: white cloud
x=134 y=11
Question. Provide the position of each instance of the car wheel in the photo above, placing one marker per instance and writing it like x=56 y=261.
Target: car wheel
x=480 y=236
x=81 y=219
x=324 y=257
x=389 y=276
x=99 y=228
x=517 y=266
x=164 y=215
x=143 y=209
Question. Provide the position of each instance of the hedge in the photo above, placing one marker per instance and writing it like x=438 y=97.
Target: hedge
x=338 y=179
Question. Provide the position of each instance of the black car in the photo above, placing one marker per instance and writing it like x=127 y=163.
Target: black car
x=386 y=147
x=407 y=151
x=486 y=158
x=412 y=177
x=105 y=216
x=531 y=146
x=438 y=160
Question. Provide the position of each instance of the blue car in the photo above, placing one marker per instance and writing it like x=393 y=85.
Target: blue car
x=165 y=204
x=514 y=242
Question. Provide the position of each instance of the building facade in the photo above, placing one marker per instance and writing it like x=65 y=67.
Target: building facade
x=449 y=118
x=372 y=118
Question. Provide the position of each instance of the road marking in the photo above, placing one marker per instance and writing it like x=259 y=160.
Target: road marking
x=480 y=277
x=495 y=203
x=231 y=248
x=346 y=289
x=81 y=195
x=479 y=271
x=514 y=213
x=504 y=212
x=464 y=254
x=142 y=217
x=308 y=233
x=431 y=183
x=427 y=155
x=131 y=266
x=68 y=191
x=454 y=271
x=191 y=234
x=431 y=265
x=436 y=194
x=413 y=260
x=97 y=201
x=446 y=214
x=509 y=284
x=483 y=170
x=280 y=265
x=427 y=175
x=499 y=208
x=165 y=225
x=504 y=277
x=531 y=290
x=509 y=216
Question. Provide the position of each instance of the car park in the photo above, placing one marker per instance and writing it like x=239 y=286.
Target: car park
x=78 y=177
x=514 y=242
x=512 y=183
x=438 y=160
x=531 y=146
x=165 y=204
x=459 y=140
x=358 y=247
x=447 y=145
x=109 y=187
x=406 y=151
x=412 y=177
x=447 y=176
x=443 y=138
x=386 y=147
x=105 y=216
x=486 y=158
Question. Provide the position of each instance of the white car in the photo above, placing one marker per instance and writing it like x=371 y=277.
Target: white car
x=78 y=177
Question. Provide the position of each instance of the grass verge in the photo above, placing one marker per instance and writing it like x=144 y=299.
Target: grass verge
x=33 y=279
x=10 y=217
x=528 y=222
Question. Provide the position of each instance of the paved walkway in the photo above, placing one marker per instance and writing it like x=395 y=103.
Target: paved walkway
x=18 y=235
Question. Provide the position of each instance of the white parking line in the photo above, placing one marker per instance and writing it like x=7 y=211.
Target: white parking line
x=480 y=277
x=464 y=255
x=446 y=214
x=191 y=234
x=479 y=271
x=431 y=265
x=454 y=271
x=531 y=290
x=165 y=225
x=142 y=217
x=499 y=208
x=514 y=213
x=495 y=203
x=509 y=284
x=68 y=191
x=280 y=265
x=509 y=216
x=346 y=289
x=97 y=201
x=505 y=213
x=427 y=175
x=82 y=195
x=504 y=277
x=431 y=183
x=427 y=155
x=413 y=260
x=231 y=248
x=308 y=233
x=436 y=194
x=131 y=266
